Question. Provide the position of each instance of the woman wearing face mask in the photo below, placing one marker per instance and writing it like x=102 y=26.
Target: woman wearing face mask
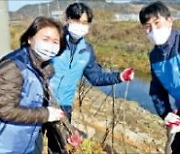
x=165 y=59
x=76 y=60
x=24 y=94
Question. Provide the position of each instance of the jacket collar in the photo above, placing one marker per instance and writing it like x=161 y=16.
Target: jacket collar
x=80 y=42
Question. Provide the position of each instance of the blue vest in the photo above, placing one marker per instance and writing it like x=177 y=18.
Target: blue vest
x=69 y=67
x=168 y=73
x=165 y=63
x=18 y=138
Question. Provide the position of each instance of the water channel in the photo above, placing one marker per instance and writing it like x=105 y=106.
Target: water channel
x=137 y=90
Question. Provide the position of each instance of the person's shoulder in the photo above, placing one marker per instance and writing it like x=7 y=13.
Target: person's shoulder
x=88 y=46
x=152 y=54
x=17 y=57
x=177 y=37
x=14 y=54
x=175 y=34
x=6 y=62
x=8 y=66
x=176 y=31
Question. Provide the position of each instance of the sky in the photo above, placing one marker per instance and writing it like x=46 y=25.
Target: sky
x=14 y=5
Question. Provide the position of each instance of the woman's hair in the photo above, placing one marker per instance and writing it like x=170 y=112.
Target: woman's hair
x=153 y=10
x=75 y=11
x=38 y=24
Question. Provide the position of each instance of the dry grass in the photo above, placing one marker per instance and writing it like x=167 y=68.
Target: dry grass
x=117 y=44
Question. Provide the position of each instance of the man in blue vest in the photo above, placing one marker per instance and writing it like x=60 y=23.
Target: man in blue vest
x=165 y=67
x=79 y=59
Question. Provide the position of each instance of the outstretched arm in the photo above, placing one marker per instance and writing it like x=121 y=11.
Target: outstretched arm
x=97 y=76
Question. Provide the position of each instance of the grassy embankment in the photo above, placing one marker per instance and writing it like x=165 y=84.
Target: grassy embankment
x=117 y=45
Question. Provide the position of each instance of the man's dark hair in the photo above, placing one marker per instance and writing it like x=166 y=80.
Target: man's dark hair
x=153 y=10
x=75 y=10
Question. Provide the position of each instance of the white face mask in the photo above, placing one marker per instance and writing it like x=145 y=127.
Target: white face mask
x=78 y=31
x=44 y=50
x=159 y=36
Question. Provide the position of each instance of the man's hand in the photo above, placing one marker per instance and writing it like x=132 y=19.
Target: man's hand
x=172 y=122
x=127 y=74
x=75 y=139
x=55 y=114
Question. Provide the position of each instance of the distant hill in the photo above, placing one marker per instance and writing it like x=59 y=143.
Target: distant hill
x=31 y=11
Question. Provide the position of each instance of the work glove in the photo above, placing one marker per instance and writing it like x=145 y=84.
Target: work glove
x=55 y=114
x=75 y=139
x=172 y=122
x=127 y=74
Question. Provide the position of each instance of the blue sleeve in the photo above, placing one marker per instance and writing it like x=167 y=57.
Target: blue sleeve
x=96 y=75
x=159 y=97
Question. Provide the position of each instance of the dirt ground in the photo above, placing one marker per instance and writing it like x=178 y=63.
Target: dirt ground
x=135 y=130
x=123 y=126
